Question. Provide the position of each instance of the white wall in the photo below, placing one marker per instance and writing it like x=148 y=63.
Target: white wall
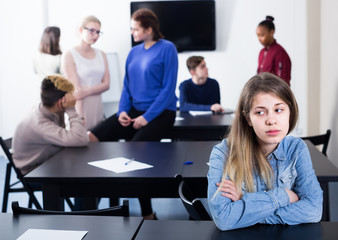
x=20 y=36
x=329 y=75
x=232 y=64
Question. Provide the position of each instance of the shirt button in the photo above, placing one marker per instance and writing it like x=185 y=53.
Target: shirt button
x=290 y=176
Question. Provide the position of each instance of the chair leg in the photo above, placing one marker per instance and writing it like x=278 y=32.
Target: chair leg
x=6 y=188
x=30 y=203
x=70 y=204
x=32 y=198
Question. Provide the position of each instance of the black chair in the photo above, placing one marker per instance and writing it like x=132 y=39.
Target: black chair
x=122 y=210
x=15 y=187
x=193 y=205
x=320 y=140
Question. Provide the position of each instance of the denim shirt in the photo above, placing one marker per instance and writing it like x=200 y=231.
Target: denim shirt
x=292 y=168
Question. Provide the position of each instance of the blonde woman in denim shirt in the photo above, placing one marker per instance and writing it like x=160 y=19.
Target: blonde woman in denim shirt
x=259 y=174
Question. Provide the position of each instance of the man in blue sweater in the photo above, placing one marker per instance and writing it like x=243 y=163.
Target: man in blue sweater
x=200 y=93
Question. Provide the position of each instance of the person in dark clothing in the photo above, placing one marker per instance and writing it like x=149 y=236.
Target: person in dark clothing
x=199 y=93
x=272 y=58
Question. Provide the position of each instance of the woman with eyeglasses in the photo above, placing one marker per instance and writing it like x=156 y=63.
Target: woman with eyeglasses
x=87 y=68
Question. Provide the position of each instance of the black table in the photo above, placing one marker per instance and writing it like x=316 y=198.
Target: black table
x=98 y=227
x=201 y=230
x=67 y=174
x=211 y=127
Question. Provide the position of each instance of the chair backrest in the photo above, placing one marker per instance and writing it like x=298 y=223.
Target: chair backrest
x=6 y=146
x=193 y=205
x=122 y=210
x=320 y=140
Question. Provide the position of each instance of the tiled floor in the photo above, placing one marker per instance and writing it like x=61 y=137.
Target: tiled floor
x=164 y=208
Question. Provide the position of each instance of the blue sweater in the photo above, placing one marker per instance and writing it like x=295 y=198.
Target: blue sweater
x=150 y=80
x=198 y=97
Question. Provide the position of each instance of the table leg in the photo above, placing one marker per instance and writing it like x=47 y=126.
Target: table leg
x=326 y=202
x=51 y=197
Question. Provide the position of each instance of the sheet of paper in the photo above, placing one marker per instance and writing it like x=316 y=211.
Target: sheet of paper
x=229 y=111
x=120 y=164
x=49 y=234
x=197 y=113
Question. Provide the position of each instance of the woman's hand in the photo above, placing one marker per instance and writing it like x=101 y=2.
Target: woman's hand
x=229 y=190
x=81 y=93
x=139 y=122
x=124 y=119
x=217 y=108
x=292 y=195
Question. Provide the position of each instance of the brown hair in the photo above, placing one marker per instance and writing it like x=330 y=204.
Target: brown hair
x=194 y=61
x=50 y=41
x=148 y=19
x=244 y=155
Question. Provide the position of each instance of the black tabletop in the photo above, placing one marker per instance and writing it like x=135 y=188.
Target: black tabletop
x=186 y=120
x=68 y=174
x=182 y=230
x=98 y=227
x=324 y=168
x=167 y=159
x=72 y=163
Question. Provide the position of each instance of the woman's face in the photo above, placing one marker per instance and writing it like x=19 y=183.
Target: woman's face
x=91 y=32
x=139 y=33
x=269 y=117
x=265 y=37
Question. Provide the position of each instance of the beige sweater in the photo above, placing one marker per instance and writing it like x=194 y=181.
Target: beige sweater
x=42 y=134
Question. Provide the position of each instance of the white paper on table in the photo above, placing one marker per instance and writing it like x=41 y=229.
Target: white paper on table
x=197 y=113
x=179 y=118
x=49 y=234
x=119 y=165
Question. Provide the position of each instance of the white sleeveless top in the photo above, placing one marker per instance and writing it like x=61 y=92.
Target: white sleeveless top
x=90 y=73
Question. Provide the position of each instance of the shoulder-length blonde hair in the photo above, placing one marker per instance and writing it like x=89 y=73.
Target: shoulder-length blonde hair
x=88 y=19
x=244 y=156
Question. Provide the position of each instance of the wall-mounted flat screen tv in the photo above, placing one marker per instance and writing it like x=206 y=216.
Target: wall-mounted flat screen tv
x=190 y=25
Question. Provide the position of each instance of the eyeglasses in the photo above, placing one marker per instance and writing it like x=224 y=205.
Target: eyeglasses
x=93 y=30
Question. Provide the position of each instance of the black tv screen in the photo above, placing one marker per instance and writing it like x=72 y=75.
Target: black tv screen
x=190 y=25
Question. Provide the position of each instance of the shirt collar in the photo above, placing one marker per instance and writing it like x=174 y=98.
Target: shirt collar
x=279 y=152
x=272 y=45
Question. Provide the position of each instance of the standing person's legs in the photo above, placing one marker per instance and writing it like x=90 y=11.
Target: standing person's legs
x=154 y=131
x=111 y=130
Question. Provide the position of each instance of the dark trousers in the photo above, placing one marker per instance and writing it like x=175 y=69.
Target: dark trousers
x=112 y=130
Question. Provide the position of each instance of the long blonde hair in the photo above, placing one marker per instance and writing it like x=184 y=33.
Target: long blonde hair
x=244 y=156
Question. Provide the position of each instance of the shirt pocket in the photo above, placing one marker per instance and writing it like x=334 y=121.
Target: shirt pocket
x=288 y=177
